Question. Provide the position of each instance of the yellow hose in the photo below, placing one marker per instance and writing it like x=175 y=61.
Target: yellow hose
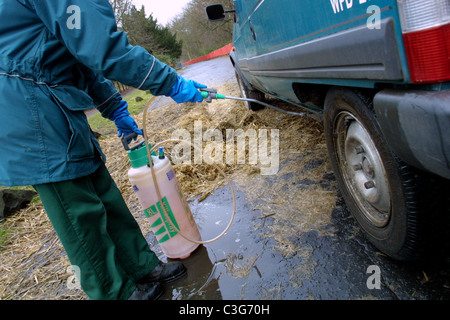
x=158 y=192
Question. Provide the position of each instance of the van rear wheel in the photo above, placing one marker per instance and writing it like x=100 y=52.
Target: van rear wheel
x=386 y=197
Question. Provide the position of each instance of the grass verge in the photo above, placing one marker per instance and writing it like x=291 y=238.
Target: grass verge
x=135 y=106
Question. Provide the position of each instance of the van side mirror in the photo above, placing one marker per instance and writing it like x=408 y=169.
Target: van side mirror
x=216 y=12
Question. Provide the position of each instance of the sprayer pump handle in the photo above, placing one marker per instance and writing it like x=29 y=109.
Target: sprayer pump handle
x=127 y=139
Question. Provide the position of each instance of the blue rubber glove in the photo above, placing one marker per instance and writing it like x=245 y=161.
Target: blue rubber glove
x=124 y=123
x=185 y=91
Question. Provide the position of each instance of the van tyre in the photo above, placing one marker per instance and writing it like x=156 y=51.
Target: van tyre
x=250 y=93
x=396 y=205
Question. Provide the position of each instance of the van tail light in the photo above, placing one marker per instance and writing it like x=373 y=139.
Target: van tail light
x=426 y=34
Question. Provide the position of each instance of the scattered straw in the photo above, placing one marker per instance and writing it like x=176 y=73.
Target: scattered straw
x=239 y=267
x=33 y=264
x=298 y=199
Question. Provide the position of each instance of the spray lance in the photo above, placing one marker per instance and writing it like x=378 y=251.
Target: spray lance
x=209 y=94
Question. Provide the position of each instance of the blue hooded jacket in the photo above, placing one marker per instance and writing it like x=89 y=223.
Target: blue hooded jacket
x=55 y=59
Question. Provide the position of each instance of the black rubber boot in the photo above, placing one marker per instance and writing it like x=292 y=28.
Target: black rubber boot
x=165 y=272
x=147 y=291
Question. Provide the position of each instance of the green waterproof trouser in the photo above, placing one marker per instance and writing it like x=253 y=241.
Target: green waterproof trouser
x=100 y=235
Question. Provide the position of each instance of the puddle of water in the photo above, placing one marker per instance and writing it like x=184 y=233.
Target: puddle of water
x=224 y=268
x=243 y=264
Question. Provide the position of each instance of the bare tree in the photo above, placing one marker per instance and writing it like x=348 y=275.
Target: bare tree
x=199 y=35
x=120 y=7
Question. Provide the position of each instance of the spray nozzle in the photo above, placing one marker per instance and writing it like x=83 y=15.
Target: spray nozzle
x=210 y=94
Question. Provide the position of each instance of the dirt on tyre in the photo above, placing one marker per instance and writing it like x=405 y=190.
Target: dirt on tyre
x=250 y=93
x=396 y=205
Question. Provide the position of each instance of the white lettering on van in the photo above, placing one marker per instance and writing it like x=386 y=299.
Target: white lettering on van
x=338 y=5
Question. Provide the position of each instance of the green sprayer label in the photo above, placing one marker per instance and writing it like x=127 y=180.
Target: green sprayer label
x=164 y=226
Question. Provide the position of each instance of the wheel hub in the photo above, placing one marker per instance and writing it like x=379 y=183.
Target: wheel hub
x=364 y=171
x=367 y=167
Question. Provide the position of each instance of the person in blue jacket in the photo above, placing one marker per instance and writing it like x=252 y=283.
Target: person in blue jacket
x=55 y=59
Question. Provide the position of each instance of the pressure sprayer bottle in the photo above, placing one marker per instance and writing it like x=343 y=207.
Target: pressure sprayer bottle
x=167 y=232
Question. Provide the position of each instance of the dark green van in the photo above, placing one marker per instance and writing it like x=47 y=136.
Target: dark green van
x=378 y=73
